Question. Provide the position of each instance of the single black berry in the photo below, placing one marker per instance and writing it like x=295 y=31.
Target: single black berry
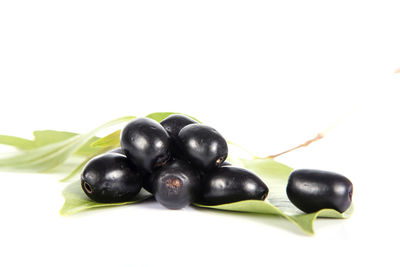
x=110 y=178
x=146 y=144
x=176 y=185
x=231 y=184
x=203 y=146
x=312 y=190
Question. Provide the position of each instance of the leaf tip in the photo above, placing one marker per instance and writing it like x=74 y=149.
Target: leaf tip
x=63 y=212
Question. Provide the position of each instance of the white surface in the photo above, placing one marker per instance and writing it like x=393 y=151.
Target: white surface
x=267 y=75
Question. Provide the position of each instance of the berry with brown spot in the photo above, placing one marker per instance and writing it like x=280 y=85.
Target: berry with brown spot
x=176 y=185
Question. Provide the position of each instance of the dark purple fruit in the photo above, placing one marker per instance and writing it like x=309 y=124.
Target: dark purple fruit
x=231 y=184
x=146 y=144
x=203 y=146
x=110 y=178
x=313 y=190
x=173 y=124
x=176 y=185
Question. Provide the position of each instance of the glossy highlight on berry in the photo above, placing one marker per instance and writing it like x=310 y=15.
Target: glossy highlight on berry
x=110 y=178
x=146 y=144
x=203 y=146
x=231 y=184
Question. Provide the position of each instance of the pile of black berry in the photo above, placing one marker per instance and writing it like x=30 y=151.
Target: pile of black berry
x=181 y=162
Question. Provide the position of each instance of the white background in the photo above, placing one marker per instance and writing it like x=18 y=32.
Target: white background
x=267 y=75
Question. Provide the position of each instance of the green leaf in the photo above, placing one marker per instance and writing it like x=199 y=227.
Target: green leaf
x=304 y=221
x=86 y=149
x=16 y=142
x=76 y=200
x=159 y=116
x=41 y=138
x=275 y=175
x=49 y=156
x=46 y=137
x=112 y=139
